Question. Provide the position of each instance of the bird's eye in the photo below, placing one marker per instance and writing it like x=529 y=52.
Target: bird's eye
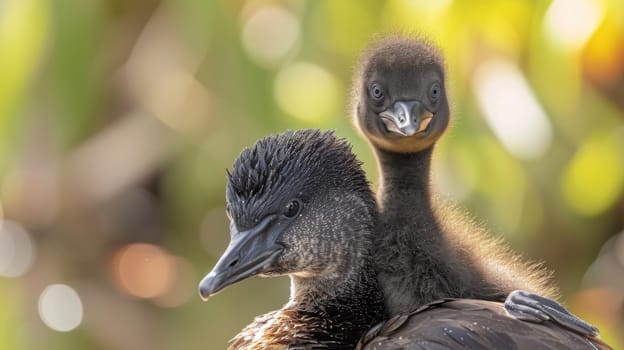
x=293 y=208
x=376 y=91
x=435 y=91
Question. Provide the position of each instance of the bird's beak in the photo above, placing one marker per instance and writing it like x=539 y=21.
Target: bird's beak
x=249 y=253
x=406 y=117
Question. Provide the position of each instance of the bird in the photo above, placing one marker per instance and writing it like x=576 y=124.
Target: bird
x=294 y=200
x=429 y=250
x=299 y=204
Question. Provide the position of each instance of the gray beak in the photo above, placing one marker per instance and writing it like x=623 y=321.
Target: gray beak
x=406 y=117
x=249 y=253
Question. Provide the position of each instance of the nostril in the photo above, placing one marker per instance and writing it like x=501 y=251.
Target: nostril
x=233 y=263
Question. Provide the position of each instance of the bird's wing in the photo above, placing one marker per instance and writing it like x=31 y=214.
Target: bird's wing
x=471 y=324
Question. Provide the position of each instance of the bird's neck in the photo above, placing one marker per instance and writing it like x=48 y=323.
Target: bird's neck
x=343 y=305
x=316 y=317
x=414 y=240
x=404 y=186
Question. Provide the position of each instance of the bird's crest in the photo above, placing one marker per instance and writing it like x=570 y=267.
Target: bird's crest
x=286 y=164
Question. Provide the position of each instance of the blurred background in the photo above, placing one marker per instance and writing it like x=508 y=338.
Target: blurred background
x=119 y=118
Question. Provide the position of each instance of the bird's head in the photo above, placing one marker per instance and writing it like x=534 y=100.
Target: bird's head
x=399 y=96
x=299 y=204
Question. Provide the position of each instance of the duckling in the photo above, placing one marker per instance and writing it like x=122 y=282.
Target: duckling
x=299 y=204
x=401 y=107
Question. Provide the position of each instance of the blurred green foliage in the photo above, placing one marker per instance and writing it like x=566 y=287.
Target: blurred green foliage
x=118 y=118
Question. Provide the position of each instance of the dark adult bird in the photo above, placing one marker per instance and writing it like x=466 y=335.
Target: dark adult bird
x=428 y=250
x=299 y=204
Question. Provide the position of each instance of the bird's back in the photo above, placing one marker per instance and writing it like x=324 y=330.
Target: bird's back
x=471 y=324
x=488 y=258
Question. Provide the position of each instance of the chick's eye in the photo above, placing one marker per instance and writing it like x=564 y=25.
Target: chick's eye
x=293 y=208
x=376 y=91
x=435 y=91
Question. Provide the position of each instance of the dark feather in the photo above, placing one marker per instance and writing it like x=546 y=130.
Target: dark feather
x=290 y=160
x=337 y=299
x=427 y=248
x=472 y=324
x=332 y=307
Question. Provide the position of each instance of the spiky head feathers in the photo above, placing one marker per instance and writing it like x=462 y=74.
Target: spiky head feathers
x=293 y=164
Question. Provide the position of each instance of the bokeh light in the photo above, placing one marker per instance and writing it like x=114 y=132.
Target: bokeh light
x=23 y=26
x=60 y=307
x=118 y=118
x=159 y=74
x=456 y=161
x=297 y=83
x=183 y=286
x=17 y=250
x=619 y=249
x=603 y=54
x=511 y=109
x=608 y=263
x=594 y=178
x=143 y=270
x=270 y=34
x=601 y=299
x=426 y=6
x=572 y=22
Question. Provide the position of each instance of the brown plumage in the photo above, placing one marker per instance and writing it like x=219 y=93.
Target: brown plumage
x=279 y=329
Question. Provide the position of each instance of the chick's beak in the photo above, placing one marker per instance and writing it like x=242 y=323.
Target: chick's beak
x=249 y=253
x=406 y=117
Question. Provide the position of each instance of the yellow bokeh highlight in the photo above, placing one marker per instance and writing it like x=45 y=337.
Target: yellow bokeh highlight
x=594 y=178
x=23 y=27
x=503 y=182
x=604 y=52
x=307 y=92
x=414 y=15
x=344 y=26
